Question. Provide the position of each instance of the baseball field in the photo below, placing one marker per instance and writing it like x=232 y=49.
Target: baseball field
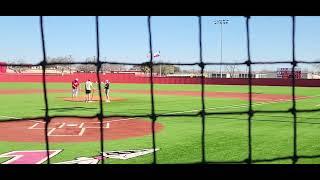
x=178 y=139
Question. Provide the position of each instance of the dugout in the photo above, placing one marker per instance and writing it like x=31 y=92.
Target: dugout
x=3 y=67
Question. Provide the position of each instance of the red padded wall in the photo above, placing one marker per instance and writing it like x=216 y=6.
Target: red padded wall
x=131 y=78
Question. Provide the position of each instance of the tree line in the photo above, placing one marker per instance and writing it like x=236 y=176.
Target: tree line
x=87 y=68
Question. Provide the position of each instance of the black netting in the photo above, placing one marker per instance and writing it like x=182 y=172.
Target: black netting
x=202 y=113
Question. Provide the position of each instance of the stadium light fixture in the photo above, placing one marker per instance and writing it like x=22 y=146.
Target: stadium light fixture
x=221 y=22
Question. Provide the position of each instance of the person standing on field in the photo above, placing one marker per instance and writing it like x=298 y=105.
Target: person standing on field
x=75 y=88
x=88 y=88
x=107 y=90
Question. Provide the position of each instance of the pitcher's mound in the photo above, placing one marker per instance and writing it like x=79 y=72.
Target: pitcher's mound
x=94 y=99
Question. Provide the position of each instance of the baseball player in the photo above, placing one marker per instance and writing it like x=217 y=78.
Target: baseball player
x=75 y=88
x=107 y=90
x=88 y=88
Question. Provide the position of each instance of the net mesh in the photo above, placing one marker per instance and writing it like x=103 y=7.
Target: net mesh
x=202 y=113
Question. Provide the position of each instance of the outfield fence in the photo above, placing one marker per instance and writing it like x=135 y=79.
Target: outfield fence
x=153 y=115
x=132 y=78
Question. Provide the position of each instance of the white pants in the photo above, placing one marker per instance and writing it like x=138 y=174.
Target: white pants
x=75 y=92
x=107 y=93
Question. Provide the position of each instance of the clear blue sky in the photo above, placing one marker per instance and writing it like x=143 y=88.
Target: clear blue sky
x=126 y=38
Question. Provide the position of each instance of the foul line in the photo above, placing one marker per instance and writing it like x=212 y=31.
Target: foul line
x=222 y=107
x=241 y=105
x=10 y=117
x=180 y=112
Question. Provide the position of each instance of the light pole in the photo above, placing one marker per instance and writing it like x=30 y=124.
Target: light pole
x=221 y=22
x=160 y=68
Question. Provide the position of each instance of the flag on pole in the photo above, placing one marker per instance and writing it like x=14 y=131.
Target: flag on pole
x=157 y=54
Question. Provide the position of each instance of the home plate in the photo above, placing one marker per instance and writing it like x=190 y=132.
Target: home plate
x=72 y=125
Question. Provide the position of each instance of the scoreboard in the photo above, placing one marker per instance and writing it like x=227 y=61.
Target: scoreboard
x=286 y=73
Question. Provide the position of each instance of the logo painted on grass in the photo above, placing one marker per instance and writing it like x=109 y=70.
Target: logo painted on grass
x=40 y=156
x=28 y=157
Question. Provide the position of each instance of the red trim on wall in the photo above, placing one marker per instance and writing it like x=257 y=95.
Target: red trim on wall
x=131 y=78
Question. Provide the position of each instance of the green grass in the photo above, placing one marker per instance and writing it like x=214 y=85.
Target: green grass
x=180 y=142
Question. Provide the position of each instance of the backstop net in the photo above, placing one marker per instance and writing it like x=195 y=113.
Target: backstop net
x=153 y=115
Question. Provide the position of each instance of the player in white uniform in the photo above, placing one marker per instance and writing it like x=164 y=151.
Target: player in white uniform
x=89 y=88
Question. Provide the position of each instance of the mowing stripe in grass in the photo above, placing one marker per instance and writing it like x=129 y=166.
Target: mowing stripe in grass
x=222 y=107
x=195 y=110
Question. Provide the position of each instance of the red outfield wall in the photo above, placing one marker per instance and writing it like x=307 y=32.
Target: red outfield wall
x=131 y=78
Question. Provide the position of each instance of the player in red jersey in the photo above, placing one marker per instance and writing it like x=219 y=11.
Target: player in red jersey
x=75 y=88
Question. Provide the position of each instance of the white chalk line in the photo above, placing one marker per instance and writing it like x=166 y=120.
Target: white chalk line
x=196 y=110
x=81 y=125
x=49 y=133
x=33 y=126
x=179 y=112
x=108 y=125
x=222 y=107
x=10 y=117
x=82 y=131
x=37 y=121
x=61 y=125
x=170 y=113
